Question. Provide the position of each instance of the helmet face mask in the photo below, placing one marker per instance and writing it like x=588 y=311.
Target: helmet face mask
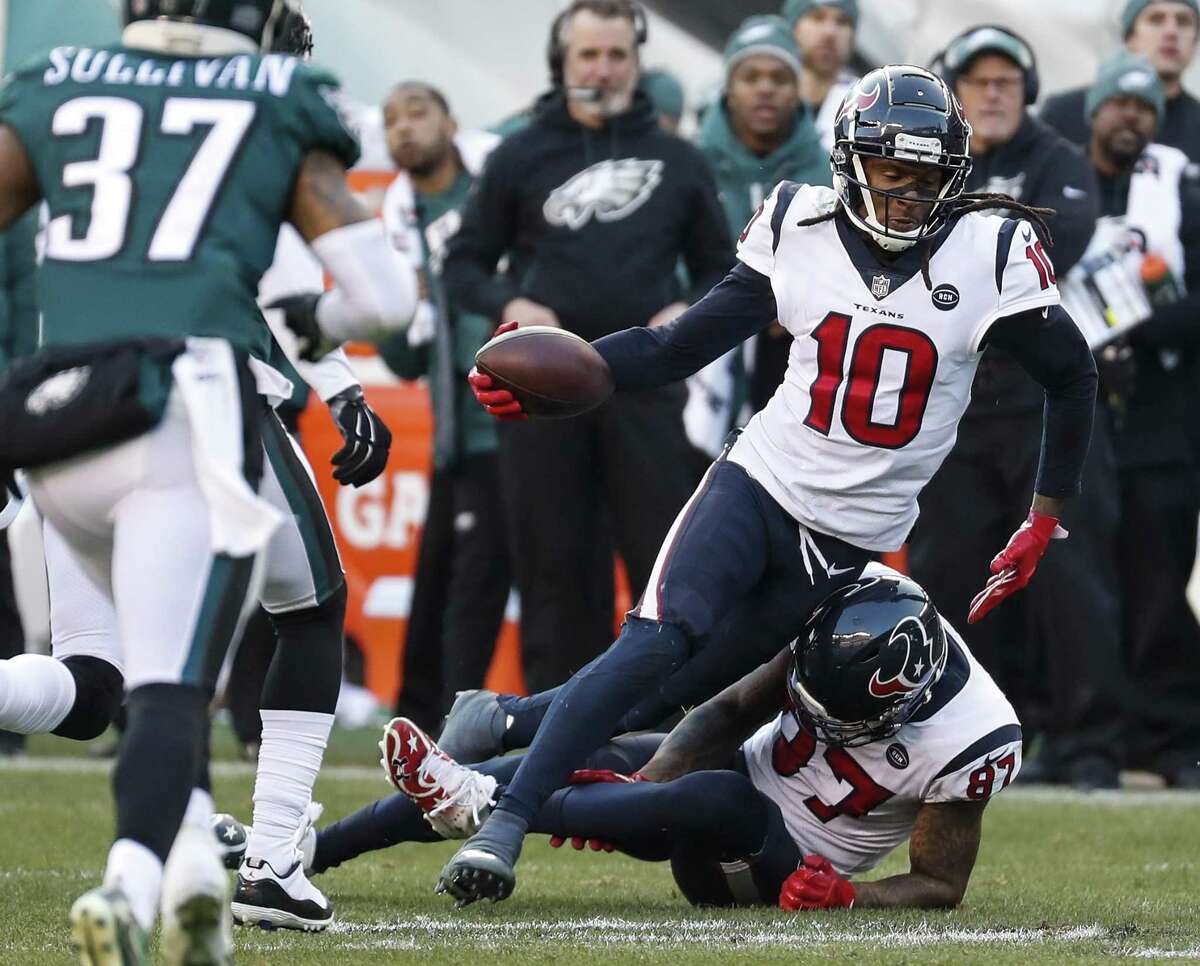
x=908 y=115
x=867 y=661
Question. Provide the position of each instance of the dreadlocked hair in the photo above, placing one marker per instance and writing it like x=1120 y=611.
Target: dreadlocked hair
x=964 y=204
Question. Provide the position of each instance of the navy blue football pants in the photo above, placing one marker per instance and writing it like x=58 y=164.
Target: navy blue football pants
x=733 y=584
x=726 y=841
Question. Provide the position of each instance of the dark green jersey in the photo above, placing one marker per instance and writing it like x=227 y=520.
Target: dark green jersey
x=167 y=179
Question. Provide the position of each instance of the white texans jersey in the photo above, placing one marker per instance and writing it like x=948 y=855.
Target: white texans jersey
x=881 y=366
x=855 y=805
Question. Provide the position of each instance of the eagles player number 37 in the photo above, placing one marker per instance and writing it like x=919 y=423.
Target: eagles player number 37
x=108 y=174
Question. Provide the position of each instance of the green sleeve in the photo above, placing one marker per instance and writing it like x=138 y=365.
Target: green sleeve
x=19 y=103
x=405 y=361
x=317 y=116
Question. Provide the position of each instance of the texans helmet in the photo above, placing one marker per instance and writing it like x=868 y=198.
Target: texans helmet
x=256 y=19
x=867 y=660
x=906 y=113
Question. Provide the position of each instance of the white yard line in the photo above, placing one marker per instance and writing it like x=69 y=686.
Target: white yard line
x=428 y=932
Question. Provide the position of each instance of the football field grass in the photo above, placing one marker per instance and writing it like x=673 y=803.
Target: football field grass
x=1061 y=878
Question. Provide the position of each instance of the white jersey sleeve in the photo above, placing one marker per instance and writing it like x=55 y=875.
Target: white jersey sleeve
x=979 y=773
x=759 y=239
x=1024 y=276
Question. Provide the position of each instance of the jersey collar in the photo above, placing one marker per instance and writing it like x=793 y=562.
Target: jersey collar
x=186 y=39
x=871 y=265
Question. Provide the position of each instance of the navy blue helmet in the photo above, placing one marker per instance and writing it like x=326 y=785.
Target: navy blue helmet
x=867 y=660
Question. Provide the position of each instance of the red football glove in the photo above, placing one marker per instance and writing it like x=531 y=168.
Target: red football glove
x=1013 y=566
x=816 y=885
x=577 y=843
x=598 y=776
x=595 y=776
x=499 y=402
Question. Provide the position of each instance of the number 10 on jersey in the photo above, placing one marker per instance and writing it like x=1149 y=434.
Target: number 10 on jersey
x=863 y=377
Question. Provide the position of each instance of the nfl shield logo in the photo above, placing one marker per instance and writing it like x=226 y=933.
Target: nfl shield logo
x=880 y=286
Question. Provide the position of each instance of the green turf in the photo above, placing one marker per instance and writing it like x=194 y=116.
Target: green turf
x=1060 y=879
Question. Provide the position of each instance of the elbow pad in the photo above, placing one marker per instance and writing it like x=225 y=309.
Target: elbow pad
x=375 y=286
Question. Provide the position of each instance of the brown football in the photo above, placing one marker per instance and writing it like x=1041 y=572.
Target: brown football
x=552 y=372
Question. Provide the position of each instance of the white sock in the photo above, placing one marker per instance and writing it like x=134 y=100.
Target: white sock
x=199 y=809
x=36 y=693
x=293 y=744
x=137 y=872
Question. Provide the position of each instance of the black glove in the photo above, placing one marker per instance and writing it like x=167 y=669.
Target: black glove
x=300 y=315
x=367 y=438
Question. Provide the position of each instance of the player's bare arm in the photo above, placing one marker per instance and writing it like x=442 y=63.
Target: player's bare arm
x=709 y=735
x=942 y=850
x=19 y=189
x=322 y=201
x=375 y=286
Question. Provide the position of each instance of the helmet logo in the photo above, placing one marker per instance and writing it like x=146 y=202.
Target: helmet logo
x=918 y=659
x=858 y=100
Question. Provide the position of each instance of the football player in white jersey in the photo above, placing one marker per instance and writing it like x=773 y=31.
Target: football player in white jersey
x=892 y=284
x=880 y=728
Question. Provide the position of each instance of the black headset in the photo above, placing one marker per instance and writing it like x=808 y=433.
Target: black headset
x=555 y=54
x=968 y=45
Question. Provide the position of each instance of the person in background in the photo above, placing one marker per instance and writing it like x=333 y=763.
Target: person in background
x=1165 y=32
x=666 y=93
x=462 y=579
x=594 y=205
x=824 y=32
x=1069 y=622
x=1150 y=231
x=757 y=136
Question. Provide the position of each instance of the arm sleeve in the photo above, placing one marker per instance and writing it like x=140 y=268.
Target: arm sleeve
x=1050 y=347
x=375 y=286
x=1024 y=276
x=488 y=230
x=1070 y=189
x=741 y=305
x=707 y=250
x=980 y=771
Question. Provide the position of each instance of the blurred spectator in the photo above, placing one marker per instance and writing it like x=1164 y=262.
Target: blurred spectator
x=757 y=136
x=593 y=205
x=1164 y=31
x=462 y=579
x=666 y=94
x=1067 y=622
x=824 y=33
x=1150 y=232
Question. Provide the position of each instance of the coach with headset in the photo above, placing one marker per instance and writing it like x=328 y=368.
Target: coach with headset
x=593 y=205
x=1064 y=633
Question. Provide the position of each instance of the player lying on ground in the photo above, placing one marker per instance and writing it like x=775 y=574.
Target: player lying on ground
x=892 y=284
x=889 y=731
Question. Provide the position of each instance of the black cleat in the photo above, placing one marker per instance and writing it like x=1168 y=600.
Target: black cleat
x=474 y=874
x=272 y=901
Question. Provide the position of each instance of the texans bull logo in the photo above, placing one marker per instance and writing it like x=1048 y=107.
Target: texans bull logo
x=920 y=654
x=858 y=100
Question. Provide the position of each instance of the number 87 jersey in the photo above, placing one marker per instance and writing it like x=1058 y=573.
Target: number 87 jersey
x=166 y=179
x=881 y=364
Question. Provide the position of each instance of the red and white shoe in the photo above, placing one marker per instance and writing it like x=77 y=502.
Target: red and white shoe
x=454 y=799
